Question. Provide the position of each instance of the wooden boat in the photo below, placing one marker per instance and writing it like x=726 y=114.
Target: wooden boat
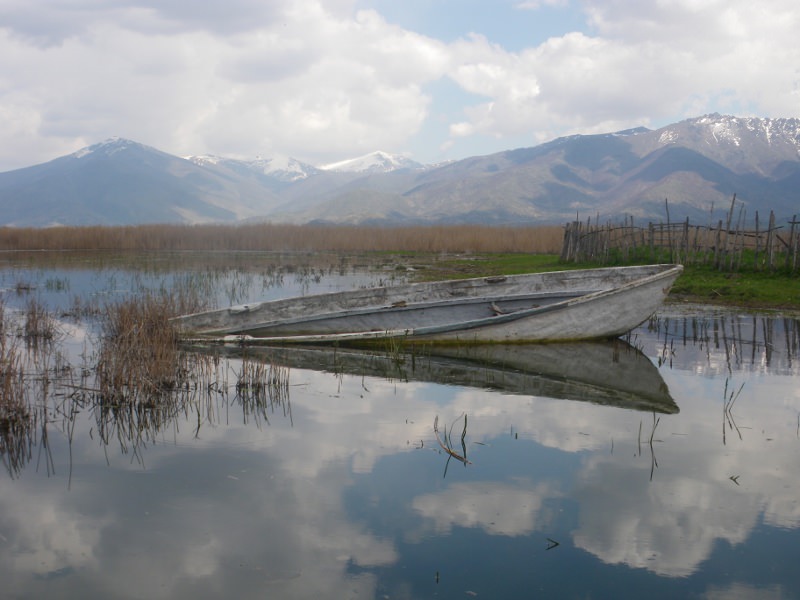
x=537 y=307
x=609 y=373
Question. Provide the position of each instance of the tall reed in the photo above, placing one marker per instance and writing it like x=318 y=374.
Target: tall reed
x=16 y=416
x=139 y=355
x=262 y=387
x=39 y=325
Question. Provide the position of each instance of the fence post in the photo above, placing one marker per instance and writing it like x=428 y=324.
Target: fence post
x=706 y=244
x=669 y=231
x=770 y=249
x=738 y=241
x=728 y=233
x=565 y=242
x=695 y=244
x=790 y=244
x=758 y=244
x=685 y=240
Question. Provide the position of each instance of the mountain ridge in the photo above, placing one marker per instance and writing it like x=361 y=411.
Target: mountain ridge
x=696 y=164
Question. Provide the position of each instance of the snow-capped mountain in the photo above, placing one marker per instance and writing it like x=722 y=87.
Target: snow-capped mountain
x=120 y=182
x=744 y=144
x=736 y=131
x=696 y=164
x=375 y=162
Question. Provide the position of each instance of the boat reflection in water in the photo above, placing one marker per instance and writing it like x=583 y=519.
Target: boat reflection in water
x=611 y=373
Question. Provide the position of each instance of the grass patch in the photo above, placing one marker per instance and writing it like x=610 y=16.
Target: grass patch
x=751 y=289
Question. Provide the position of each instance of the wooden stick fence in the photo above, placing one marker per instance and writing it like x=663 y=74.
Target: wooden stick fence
x=727 y=246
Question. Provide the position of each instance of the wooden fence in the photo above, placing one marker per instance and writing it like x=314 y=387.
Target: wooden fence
x=726 y=246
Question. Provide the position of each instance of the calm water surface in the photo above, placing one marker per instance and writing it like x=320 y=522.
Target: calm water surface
x=662 y=466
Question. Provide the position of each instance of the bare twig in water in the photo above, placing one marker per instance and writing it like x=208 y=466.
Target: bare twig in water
x=445 y=445
x=727 y=414
x=653 y=460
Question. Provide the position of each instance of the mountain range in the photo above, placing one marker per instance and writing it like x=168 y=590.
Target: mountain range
x=697 y=165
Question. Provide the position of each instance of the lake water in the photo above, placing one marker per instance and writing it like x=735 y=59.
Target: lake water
x=664 y=465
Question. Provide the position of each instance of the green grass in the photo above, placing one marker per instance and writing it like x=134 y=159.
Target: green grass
x=745 y=286
x=698 y=283
x=751 y=289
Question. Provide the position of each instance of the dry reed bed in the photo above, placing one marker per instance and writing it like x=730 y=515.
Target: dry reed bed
x=274 y=237
x=145 y=381
x=16 y=417
x=139 y=355
x=138 y=382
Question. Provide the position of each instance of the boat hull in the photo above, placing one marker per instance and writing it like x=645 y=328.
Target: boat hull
x=540 y=307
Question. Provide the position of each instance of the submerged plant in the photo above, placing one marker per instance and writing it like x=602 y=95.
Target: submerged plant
x=261 y=387
x=446 y=443
x=653 y=460
x=39 y=325
x=16 y=416
x=727 y=411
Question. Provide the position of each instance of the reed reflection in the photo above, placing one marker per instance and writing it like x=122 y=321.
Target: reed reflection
x=727 y=340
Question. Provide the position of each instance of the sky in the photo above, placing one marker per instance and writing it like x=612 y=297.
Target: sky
x=327 y=80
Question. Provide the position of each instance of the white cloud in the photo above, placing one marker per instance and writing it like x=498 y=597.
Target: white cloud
x=496 y=508
x=537 y=4
x=323 y=81
x=303 y=82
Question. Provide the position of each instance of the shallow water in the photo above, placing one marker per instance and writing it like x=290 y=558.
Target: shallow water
x=664 y=465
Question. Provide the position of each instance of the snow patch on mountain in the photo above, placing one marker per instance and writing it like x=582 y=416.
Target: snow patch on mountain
x=283 y=168
x=742 y=144
x=375 y=162
x=632 y=131
x=108 y=147
x=734 y=130
x=668 y=137
x=205 y=159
